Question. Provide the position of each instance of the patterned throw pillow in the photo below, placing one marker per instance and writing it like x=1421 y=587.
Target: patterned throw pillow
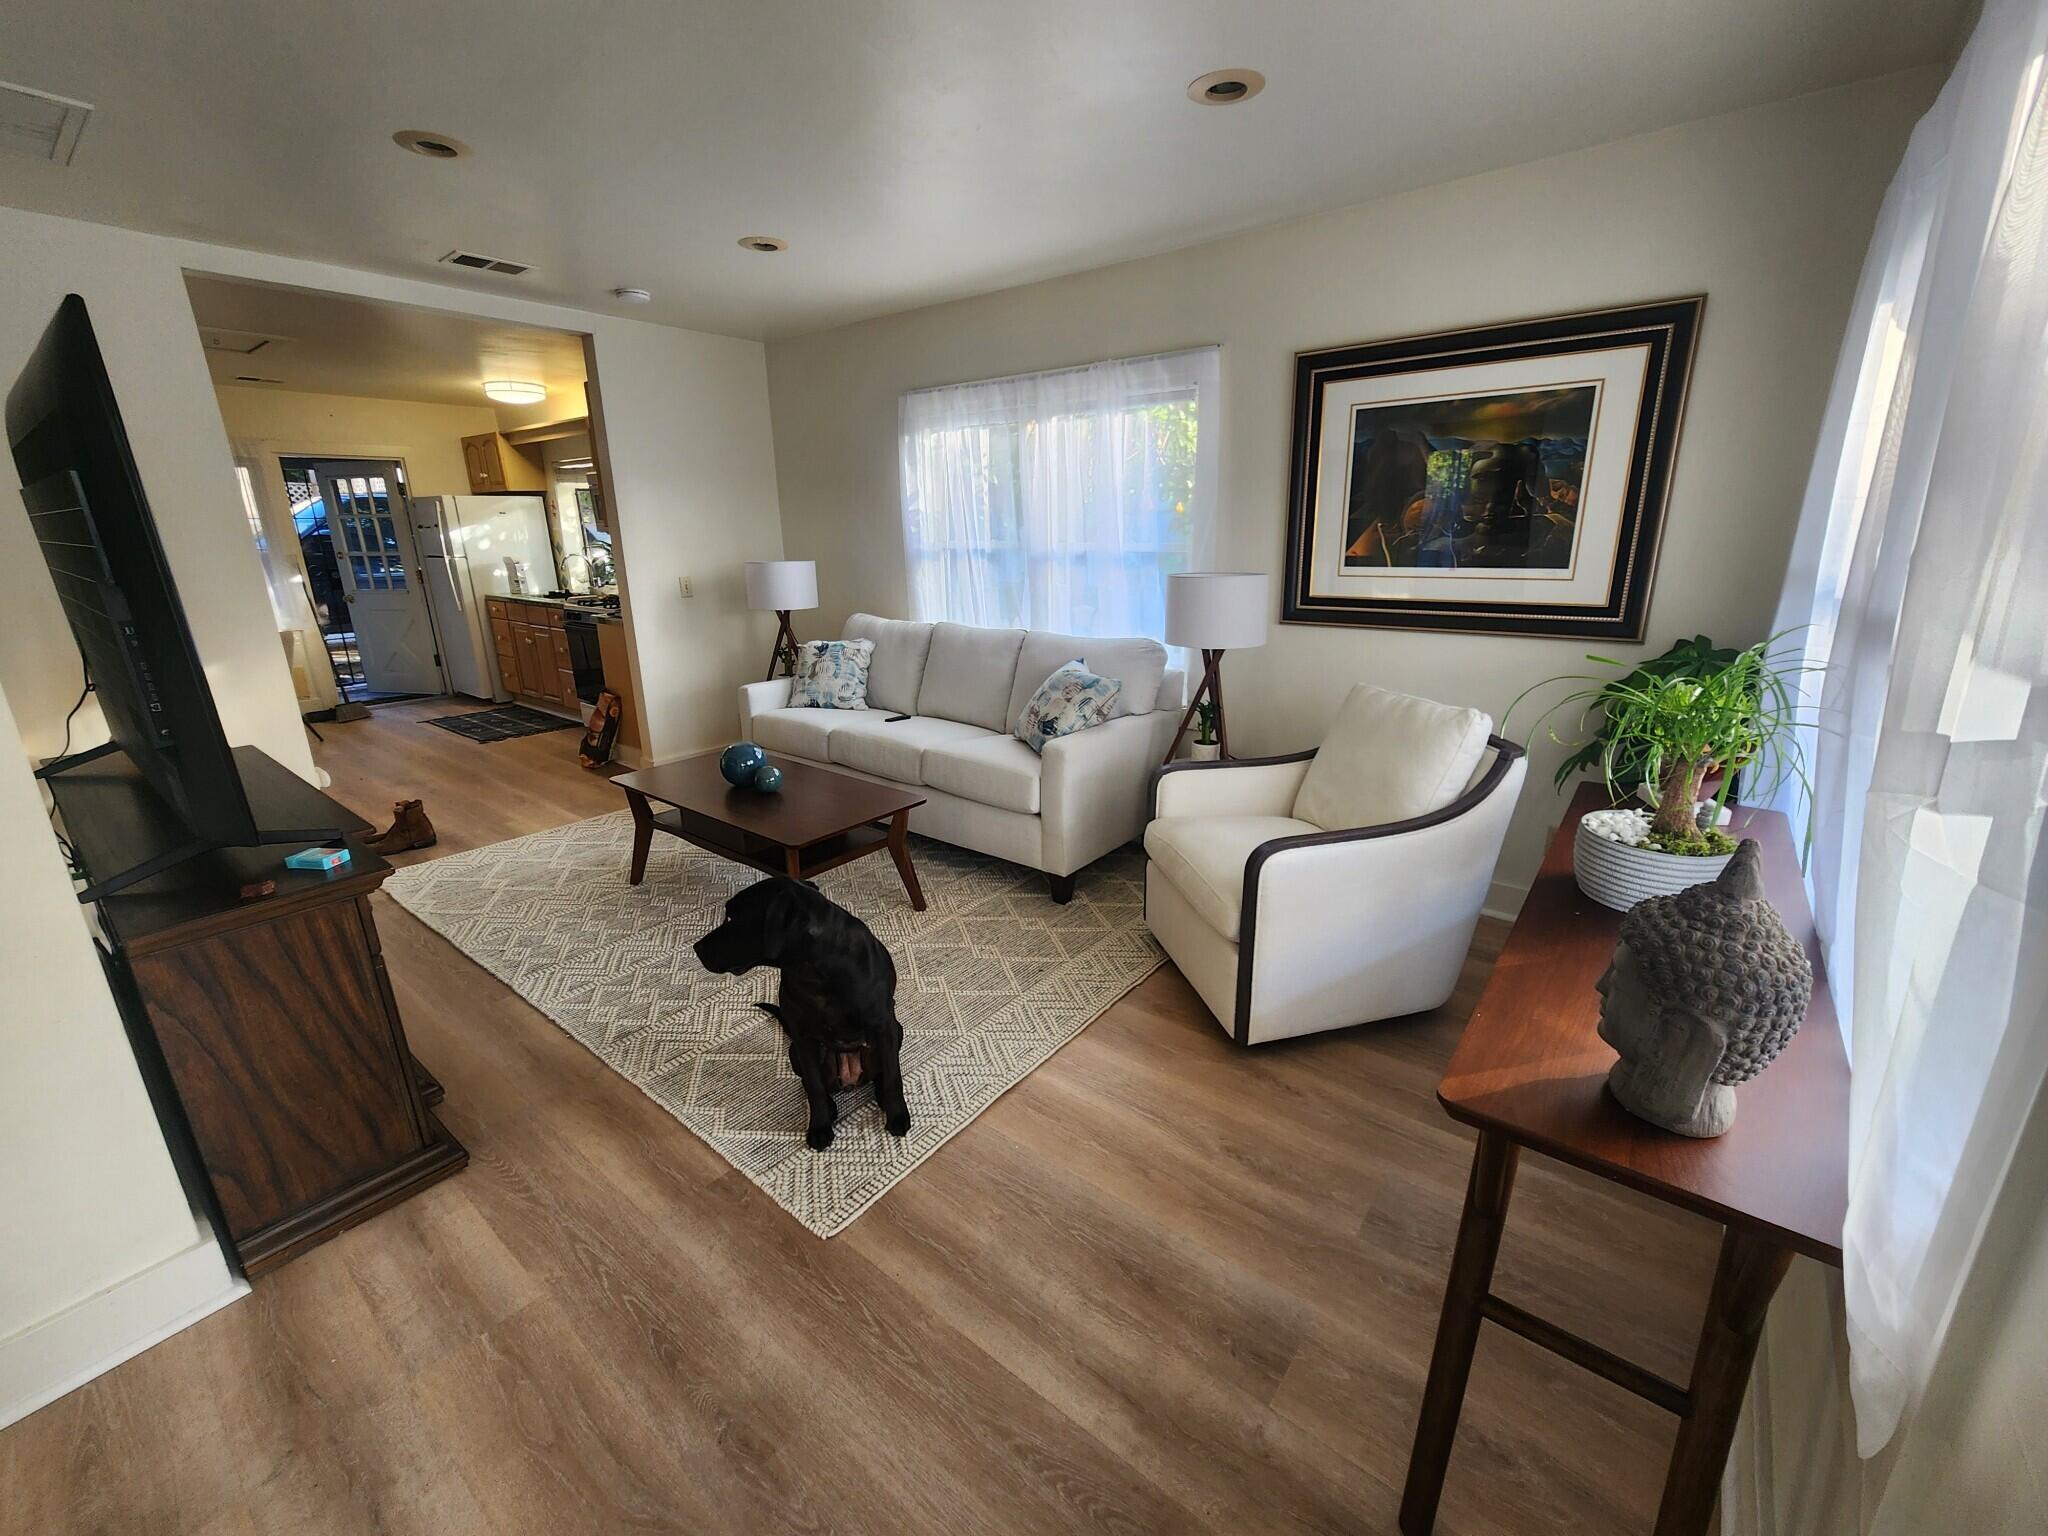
x=1072 y=699
x=831 y=674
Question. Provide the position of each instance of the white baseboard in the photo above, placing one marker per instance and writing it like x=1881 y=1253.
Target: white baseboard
x=1504 y=901
x=60 y=1354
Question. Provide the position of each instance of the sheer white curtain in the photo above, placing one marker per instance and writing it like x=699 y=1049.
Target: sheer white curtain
x=1921 y=566
x=1061 y=500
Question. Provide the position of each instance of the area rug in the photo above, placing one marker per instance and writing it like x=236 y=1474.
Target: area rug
x=991 y=980
x=505 y=724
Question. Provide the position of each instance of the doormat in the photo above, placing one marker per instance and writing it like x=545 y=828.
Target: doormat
x=504 y=724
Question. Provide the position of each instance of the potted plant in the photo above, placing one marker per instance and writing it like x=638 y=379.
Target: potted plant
x=1204 y=748
x=1686 y=658
x=1670 y=727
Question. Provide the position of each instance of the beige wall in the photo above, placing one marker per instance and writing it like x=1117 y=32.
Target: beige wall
x=1767 y=212
x=692 y=462
x=135 y=292
x=87 y=1191
x=692 y=482
x=428 y=438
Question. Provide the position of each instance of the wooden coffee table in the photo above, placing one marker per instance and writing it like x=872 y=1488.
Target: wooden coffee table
x=819 y=820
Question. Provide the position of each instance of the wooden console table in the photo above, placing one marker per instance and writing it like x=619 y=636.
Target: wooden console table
x=265 y=1029
x=1531 y=1073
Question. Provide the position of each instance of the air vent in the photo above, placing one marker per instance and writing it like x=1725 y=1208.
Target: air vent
x=486 y=263
x=39 y=125
x=251 y=378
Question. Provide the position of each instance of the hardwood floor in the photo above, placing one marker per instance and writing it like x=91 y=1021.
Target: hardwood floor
x=1164 y=1284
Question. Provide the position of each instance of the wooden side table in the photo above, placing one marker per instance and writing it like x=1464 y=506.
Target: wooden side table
x=1531 y=1073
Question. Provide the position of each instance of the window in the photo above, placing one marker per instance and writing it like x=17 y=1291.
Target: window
x=1061 y=500
x=363 y=513
x=1916 y=580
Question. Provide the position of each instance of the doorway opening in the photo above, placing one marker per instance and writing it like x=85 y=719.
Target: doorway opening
x=427 y=531
x=354 y=531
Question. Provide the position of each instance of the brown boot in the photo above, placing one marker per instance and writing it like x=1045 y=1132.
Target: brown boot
x=409 y=829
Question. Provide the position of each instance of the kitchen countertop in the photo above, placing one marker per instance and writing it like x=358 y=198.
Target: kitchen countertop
x=544 y=601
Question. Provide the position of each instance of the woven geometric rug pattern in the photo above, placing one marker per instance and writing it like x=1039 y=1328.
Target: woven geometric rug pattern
x=990 y=981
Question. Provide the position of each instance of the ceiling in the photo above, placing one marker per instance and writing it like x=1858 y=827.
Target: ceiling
x=326 y=344
x=909 y=150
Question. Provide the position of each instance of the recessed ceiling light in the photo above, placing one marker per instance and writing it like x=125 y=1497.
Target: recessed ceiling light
x=515 y=391
x=435 y=146
x=763 y=243
x=1225 y=87
x=632 y=295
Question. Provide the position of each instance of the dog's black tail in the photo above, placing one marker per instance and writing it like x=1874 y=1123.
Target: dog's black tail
x=773 y=1010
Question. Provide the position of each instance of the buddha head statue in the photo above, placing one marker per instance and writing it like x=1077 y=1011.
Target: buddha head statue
x=1705 y=988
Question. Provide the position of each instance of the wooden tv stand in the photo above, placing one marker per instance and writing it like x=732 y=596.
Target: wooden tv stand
x=265 y=1028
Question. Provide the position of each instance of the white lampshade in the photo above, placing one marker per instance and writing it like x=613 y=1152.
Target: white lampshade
x=1216 y=610
x=779 y=584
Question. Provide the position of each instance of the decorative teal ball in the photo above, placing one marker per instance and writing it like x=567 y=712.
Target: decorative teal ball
x=768 y=778
x=740 y=762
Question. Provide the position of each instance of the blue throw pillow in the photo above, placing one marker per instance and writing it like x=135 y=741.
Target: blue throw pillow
x=1072 y=699
x=831 y=674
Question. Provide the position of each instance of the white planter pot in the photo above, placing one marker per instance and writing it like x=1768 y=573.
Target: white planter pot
x=1202 y=751
x=1618 y=876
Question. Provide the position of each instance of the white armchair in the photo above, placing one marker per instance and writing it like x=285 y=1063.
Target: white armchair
x=1288 y=925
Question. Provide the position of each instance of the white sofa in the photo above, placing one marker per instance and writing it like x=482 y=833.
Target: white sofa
x=1294 y=906
x=963 y=688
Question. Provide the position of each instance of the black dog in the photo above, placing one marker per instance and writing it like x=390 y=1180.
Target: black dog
x=838 y=1002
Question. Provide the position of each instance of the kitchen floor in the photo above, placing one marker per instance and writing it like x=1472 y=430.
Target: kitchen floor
x=1164 y=1284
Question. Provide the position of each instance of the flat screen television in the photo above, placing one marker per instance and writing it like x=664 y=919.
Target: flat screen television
x=93 y=525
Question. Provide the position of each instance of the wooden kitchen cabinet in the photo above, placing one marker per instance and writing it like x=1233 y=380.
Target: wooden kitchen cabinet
x=494 y=464
x=536 y=677
x=533 y=652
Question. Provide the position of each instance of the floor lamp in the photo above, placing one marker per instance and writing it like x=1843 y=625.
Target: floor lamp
x=782 y=586
x=1213 y=612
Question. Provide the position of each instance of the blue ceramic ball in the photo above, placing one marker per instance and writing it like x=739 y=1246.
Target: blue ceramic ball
x=740 y=762
x=768 y=778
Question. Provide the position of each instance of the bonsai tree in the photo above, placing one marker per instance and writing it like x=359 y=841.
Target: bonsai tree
x=1687 y=658
x=1693 y=713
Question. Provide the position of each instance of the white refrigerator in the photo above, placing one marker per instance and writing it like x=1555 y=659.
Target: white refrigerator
x=463 y=543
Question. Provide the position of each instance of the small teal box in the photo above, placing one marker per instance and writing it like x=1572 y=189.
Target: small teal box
x=317 y=858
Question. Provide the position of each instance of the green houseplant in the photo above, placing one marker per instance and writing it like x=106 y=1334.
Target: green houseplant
x=1671 y=725
x=1696 y=657
x=1205 y=729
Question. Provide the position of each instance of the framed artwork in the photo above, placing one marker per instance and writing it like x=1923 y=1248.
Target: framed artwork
x=1509 y=479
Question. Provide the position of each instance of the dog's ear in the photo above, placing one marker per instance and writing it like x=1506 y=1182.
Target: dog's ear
x=784 y=920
